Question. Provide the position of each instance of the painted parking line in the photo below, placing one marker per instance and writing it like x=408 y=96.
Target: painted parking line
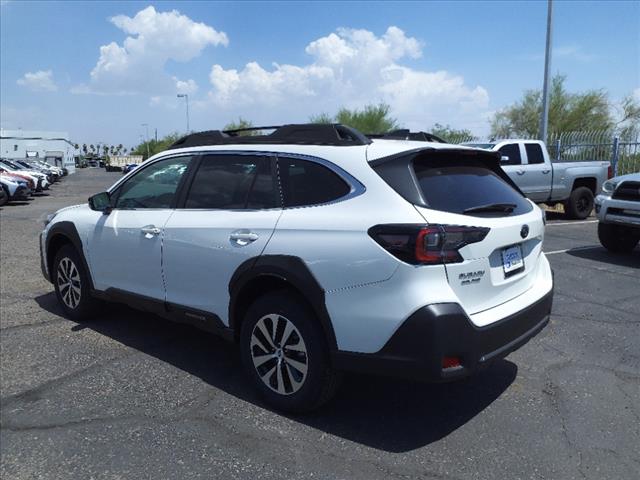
x=575 y=249
x=549 y=224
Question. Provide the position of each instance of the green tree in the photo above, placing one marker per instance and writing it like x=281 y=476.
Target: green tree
x=84 y=149
x=154 y=146
x=321 y=118
x=629 y=122
x=371 y=119
x=452 y=135
x=568 y=112
x=241 y=123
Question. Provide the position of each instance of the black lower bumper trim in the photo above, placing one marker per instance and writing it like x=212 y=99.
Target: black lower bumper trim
x=417 y=349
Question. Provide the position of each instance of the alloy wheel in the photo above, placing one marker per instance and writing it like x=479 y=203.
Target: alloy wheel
x=279 y=354
x=68 y=279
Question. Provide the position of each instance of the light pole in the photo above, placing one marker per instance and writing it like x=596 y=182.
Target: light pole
x=186 y=97
x=544 y=119
x=146 y=125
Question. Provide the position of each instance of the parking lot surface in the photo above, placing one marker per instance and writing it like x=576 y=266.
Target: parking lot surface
x=129 y=395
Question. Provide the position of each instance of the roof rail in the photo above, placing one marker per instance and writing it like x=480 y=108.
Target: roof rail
x=405 y=134
x=298 y=134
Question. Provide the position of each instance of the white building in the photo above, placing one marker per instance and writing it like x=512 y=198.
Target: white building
x=53 y=147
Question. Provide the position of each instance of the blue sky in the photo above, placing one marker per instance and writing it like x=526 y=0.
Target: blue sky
x=100 y=69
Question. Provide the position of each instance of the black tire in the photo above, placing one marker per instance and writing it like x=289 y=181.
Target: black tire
x=617 y=238
x=315 y=386
x=76 y=300
x=4 y=199
x=580 y=203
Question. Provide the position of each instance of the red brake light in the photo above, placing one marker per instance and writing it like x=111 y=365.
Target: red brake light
x=450 y=362
x=610 y=172
x=427 y=245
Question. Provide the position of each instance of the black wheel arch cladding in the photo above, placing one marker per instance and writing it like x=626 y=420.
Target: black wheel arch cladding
x=65 y=232
x=285 y=268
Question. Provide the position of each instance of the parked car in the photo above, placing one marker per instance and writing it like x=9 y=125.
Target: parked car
x=317 y=250
x=52 y=175
x=127 y=168
x=574 y=184
x=39 y=178
x=14 y=188
x=4 y=196
x=59 y=170
x=31 y=182
x=618 y=211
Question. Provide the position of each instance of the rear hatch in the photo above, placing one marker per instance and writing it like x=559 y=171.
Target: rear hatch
x=469 y=189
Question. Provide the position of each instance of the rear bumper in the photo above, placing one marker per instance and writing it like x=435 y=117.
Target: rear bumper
x=417 y=349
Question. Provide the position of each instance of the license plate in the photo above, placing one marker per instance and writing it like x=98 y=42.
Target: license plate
x=512 y=259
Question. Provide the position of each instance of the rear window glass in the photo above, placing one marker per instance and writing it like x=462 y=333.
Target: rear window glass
x=459 y=187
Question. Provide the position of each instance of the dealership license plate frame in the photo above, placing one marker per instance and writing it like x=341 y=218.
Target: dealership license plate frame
x=509 y=266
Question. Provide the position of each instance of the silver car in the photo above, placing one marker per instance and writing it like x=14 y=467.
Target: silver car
x=618 y=211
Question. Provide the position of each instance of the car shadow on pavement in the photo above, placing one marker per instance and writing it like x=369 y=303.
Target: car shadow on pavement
x=386 y=414
x=631 y=260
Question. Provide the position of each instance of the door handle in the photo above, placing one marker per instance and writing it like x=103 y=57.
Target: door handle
x=150 y=231
x=243 y=238
x=545 y=171
x=520 y=172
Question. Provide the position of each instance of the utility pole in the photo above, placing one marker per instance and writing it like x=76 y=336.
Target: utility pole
x=146 y=125
x=544 y=119
x=186 y=97
x=156 y=135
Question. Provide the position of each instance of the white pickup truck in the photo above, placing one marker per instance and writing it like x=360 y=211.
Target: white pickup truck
x=574 y=184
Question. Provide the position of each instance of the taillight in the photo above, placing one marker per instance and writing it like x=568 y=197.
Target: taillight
x=610 y=172
x=427 y=244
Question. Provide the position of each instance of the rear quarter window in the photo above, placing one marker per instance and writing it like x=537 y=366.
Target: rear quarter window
x=306 y=183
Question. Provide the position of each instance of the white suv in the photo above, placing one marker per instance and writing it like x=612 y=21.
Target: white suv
x=318 y=250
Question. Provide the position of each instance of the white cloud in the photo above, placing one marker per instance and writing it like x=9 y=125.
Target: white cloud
x=351 y=68
x=137 y=66
x=40 y=81
x=574 y=52
x=569 y=52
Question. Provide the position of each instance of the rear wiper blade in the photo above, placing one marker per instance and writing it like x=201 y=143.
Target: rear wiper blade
x=492 y=207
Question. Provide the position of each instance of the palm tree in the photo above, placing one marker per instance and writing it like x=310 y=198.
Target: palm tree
x=119 y=149
x=84 y=149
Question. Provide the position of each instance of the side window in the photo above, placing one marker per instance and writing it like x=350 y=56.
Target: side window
x=309 y=183
x=233 y=182
x=534 y=153
x=154 y=186
x=512 y=151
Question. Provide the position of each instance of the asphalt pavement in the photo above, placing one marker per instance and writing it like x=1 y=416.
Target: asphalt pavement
x=132 y=396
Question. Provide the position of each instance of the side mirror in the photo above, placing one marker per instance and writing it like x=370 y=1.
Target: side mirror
x=100 y=202
x=504 y=159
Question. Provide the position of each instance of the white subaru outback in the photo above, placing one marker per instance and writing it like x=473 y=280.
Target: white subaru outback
x=317 y=250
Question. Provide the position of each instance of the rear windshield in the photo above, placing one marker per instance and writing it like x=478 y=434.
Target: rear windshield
x=466 y=187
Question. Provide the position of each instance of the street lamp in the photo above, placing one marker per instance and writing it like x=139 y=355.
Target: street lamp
x=146 y=125
x=186 y=97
